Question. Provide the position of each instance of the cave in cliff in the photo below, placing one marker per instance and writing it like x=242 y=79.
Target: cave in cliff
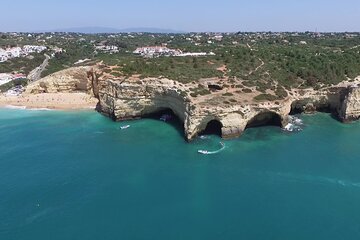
x=160 y=112
x=167 y=115
x=213 y=128
x=265 y=119
x=298 y=107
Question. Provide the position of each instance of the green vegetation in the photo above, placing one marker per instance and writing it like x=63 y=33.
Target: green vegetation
x=228 y=94
x=281 y=93
x=74 y=52
x=199 y=91
x=265 y=97
x=22 y=64
x=261 y=60
x=18 y=82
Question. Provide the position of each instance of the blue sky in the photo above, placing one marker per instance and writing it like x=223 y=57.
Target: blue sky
x=187 y=15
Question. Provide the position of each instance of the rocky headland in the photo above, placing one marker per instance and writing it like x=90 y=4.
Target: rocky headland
x=198 y=104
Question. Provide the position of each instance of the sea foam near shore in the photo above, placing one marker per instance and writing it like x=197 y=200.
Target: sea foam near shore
x=27 y=108
x=295 y=124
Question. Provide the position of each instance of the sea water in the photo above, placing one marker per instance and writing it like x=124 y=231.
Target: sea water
x=76 y=175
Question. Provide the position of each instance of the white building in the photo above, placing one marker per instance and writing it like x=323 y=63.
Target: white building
x=217 y=38
x=3 y=55
x=33 y=48
x=5 y=78
x=107 y=49
x=14 y=52
x=155 y=51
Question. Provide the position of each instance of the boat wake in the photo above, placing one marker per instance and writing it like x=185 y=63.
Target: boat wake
x=295 y=124
x=206 y=152
x=314 y=179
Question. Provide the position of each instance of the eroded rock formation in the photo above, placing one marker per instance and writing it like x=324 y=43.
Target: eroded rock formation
x=350 y=104
x=131 y=98
x=68 y=80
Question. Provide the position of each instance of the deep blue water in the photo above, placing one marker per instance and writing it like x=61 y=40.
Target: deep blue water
x=71 y=175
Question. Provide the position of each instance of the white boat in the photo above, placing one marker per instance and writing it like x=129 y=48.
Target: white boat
x=125 y=127
x=203 y=152
x=204 y=137
x=166 y=117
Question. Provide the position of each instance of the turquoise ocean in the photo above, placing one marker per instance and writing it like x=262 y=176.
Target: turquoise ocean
x=75 y=175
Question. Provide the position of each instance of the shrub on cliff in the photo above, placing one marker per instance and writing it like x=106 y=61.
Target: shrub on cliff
x=281 y=92
x=265 y=97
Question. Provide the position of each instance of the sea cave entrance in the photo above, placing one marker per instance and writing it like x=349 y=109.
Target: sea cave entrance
x=301 y=106
x=265 y=119
x=168 y=116
x=214 y=127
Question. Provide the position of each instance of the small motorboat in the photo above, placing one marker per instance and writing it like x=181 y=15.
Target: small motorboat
x=204 y=137
x=124 y=127
x=166 y=117
x=203 y=152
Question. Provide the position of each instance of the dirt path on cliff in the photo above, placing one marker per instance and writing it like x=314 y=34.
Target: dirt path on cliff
x=35 y=74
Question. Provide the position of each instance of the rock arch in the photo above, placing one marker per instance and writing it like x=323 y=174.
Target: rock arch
x=310 y=106
x=168 y=115
x=267 y=118
x=213 y=127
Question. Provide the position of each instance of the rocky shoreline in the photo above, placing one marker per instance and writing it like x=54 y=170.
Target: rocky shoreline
x=133 y=98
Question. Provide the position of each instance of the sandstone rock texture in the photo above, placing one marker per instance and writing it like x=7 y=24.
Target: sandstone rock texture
x=68 y=80
x=131 y=98
x=350 y=106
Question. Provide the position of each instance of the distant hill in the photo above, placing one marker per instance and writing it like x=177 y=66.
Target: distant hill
x=90 y=30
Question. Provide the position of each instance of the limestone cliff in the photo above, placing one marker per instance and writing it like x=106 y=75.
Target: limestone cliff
x=68 y=80
x=130 y=98
x=350 y=106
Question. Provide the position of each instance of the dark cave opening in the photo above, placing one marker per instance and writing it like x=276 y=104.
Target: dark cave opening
x=265 y=119
x=214 y=127
x=168 y=116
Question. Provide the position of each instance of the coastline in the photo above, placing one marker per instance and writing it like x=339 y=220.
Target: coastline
x=49 y=101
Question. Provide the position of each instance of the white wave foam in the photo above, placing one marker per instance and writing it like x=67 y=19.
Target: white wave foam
x=26 y=108
x=315 y=179
x=39 y=109
x=294 y=124
x=15 y=107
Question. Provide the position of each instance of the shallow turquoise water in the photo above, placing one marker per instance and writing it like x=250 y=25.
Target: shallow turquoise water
x=76 y=176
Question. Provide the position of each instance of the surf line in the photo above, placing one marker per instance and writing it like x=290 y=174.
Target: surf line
x=206 y=152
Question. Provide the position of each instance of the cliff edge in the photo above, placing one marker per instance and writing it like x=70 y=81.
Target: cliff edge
x=199 y=104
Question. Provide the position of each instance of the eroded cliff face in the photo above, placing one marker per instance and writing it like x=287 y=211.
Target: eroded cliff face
x=350 y=106
x=131 y=98
x=126 y=99
x=69 y=80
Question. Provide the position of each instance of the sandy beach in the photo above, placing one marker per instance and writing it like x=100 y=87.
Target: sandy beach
x=61 y=101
